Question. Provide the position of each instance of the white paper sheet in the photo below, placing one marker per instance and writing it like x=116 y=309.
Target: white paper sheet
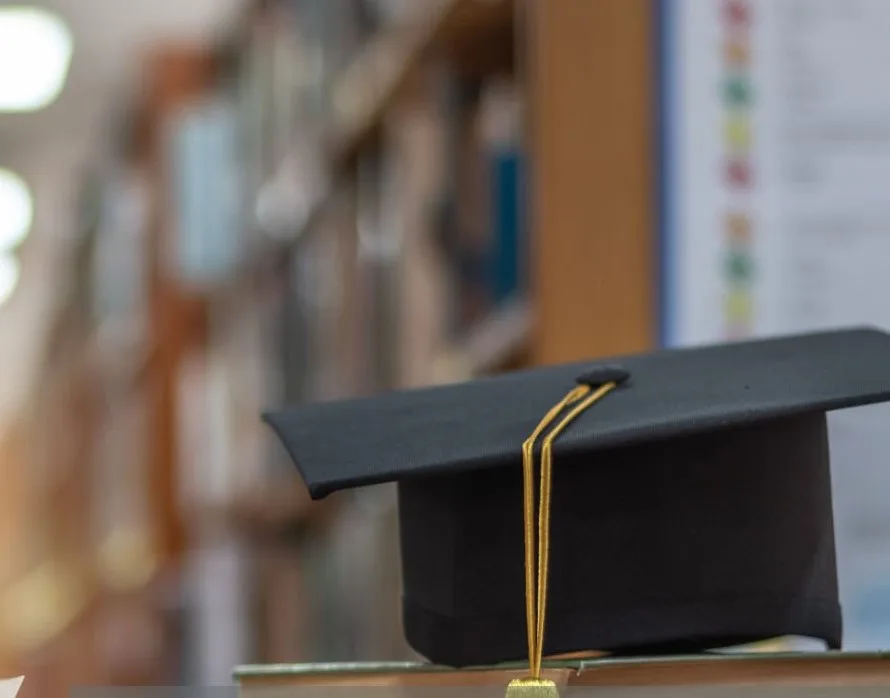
x=810 y=121
x=9 y=688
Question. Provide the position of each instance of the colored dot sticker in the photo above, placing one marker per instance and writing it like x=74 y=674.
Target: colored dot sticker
x=737 y=132
x=738 y=173
x=738 y=330
x=740 y=267
x=736 y=53
x=739 y=306
x=738 y=227
x=737 y=13
x=737 y=91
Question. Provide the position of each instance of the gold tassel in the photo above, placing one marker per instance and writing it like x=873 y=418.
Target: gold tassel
x=532 y=688
x=582 y=397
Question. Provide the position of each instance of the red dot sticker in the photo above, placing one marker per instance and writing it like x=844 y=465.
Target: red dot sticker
x=738 y=173
x=737 y=13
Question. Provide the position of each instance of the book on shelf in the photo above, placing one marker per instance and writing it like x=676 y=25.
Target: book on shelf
x=205 y=193
x=414 y=135
x=482 y=223
x=335 y=594
x=501 y=125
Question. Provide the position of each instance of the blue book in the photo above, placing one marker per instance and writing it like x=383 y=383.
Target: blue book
x=508 y=222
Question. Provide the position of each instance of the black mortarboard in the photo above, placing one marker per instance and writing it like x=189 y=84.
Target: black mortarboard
x=691 y=506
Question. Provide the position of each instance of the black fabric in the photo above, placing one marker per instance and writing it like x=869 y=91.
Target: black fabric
x=601 y=375
x=719 y=539
x=721 y=623
x=466 y=427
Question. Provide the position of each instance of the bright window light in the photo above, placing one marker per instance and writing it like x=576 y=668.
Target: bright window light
x=35 y=52
x=9 y=276
x=16 y=210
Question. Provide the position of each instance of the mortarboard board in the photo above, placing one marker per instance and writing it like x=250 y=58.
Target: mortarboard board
x=690 y=507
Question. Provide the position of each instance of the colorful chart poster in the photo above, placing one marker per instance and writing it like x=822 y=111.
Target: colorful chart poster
x=776 y=217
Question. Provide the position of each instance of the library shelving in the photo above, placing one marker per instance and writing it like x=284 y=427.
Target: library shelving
x=343 y=198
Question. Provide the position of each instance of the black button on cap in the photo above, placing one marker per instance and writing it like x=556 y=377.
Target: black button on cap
x=601 y=375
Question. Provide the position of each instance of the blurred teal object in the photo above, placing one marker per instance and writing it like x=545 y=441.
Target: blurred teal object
x=206 y=194
x=509 y=224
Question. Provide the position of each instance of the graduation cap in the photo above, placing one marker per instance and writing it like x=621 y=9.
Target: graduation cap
x=685 y=505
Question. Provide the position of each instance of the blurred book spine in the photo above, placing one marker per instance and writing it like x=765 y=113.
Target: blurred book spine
x=367 y=287
x=206 y=193
x=503 y=140
x=482 y=226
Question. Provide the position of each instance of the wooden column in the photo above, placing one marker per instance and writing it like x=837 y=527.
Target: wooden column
x=591 y=73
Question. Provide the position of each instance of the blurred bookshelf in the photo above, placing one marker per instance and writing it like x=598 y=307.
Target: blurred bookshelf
x=343 y=198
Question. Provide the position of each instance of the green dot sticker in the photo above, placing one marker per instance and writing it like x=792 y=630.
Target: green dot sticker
x=738 y=92
x=739 y=266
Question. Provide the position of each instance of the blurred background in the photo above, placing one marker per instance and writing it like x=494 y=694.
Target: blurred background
x=209 y=208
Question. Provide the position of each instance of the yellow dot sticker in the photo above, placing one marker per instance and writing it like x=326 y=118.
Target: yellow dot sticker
x=739 y=306
x=737 y=132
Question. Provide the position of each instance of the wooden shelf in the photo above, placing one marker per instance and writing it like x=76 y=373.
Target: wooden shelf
x=490 y=346
x=372 y=83
x=369 y=87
